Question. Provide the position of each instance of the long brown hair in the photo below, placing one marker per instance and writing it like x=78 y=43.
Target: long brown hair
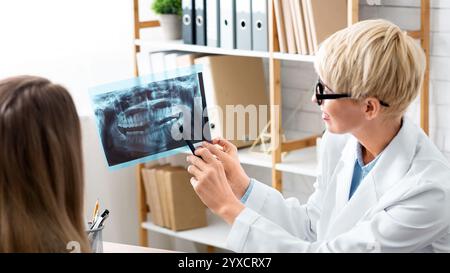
x=41 y=172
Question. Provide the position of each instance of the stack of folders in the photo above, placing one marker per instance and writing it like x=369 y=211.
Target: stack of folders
x=231 y=24
x=303 y=24
x=172 y=201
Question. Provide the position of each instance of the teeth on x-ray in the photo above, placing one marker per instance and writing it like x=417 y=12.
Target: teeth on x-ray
x=137 y=121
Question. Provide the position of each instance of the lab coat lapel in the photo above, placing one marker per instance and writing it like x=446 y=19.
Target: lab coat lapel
x=338 y=187
x=343 y=174
x=347 y=212
x=362 y=200
x=396 y=159
x=340 y=181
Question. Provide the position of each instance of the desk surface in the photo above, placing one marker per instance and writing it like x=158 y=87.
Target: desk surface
x=109 y=247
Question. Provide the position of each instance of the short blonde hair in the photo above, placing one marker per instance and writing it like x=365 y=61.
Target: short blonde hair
x=373 y=58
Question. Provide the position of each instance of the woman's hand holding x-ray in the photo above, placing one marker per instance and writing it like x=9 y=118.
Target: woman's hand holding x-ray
x=210 y=172
x=227 y=153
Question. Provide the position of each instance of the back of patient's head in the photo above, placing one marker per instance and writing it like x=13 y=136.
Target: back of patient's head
x=373 y=58
x=41 y=175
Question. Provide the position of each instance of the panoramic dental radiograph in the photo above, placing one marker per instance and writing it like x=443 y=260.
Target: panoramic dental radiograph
x=148 y=119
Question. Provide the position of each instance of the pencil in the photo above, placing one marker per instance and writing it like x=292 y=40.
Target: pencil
x=94 y=214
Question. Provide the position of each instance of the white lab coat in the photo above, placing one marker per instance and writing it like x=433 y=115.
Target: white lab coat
x=402 y=205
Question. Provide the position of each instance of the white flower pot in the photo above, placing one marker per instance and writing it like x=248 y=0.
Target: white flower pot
x=171 y=26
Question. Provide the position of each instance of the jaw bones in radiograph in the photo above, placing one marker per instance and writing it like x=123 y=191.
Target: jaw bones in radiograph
x=148 y=123
x=139 y=120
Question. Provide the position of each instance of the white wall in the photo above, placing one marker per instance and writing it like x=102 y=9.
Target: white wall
x=116 y=190
x=78 y=43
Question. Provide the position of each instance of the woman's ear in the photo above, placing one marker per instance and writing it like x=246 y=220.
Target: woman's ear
x=372 y=108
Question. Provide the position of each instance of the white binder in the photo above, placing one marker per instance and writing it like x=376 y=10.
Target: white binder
x=227 y=24
x=143 y=63
x=244 y=24
x=213 y=23
x=158 y=63
x=260 y=28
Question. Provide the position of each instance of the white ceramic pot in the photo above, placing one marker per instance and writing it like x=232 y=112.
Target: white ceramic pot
x=171 y=26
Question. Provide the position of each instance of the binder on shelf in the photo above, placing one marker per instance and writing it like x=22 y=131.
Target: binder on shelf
x=188 y=21
x=260 y=29
x=326 y=17
x=213 y=23
x=170 y=59
x=200 y=22
x=307 y=20
x=151 y=189
x=244 y=24
x=185 y=209
x=158 y=62
x=228 y=24
x=149 y=201
x=279 y=19
x=299 y=27
x=294 y=25
x=162 y=191
x=289 y=27
x=171 y=198
x=143 y=63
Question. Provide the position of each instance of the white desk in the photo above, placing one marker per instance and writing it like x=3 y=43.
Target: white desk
x=109 y=247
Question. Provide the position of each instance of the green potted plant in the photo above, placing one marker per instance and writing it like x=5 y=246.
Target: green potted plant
x=169 y=12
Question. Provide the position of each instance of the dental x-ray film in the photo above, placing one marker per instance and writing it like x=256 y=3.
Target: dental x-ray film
x=150 y=117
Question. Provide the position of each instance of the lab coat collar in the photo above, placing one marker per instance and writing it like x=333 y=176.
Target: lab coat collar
x=396 y=159
x=344 y=173
x=391 y=166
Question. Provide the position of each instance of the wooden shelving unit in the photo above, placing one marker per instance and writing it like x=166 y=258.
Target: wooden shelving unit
x=301 y=158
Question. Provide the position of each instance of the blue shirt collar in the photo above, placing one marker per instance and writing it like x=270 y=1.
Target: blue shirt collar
x=360 y=161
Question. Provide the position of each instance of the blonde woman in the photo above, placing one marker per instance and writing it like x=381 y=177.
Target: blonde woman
x=382 y=186
x=41 y=175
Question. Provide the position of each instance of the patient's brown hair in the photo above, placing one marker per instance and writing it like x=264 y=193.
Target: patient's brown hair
x=41 y=173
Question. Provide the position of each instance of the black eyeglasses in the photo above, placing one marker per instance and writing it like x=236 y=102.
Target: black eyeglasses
x=320 y=96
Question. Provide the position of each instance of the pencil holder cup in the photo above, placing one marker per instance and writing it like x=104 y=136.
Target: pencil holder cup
x=95 y=239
